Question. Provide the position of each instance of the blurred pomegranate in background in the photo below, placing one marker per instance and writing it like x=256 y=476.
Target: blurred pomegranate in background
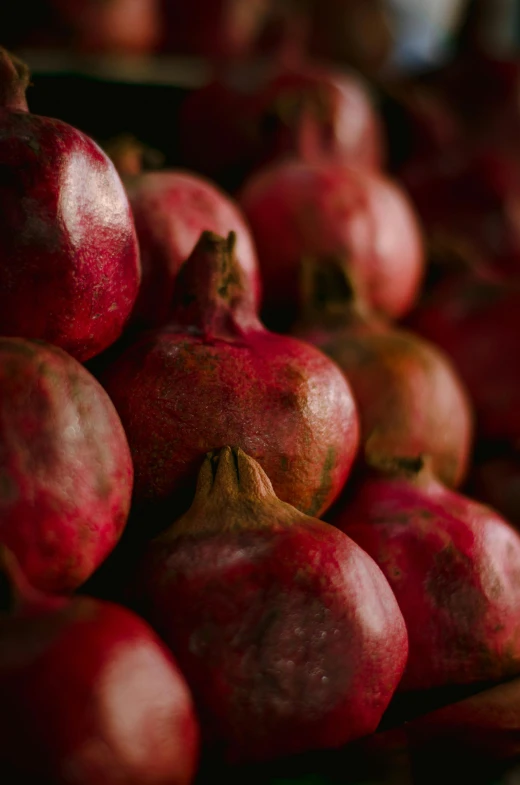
x=238 y=123
x=114 y=26
x=299 y=210
x=471 y=199
x=477 y=323
x=223 y=29
x=357 y=32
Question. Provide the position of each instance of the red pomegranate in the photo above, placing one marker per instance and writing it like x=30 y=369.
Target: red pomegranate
x=485 y=724
x=112 y=26
x=287 y=632
x=240 y=122
x=65 y=466
x=69 y=262
x=454 y=567
x=477 y=322
x=471 y=199
x=215 y=376
x=90 y=695
x=171 y=209
x=222 y=29
x=409 y=397
x=299 y=210
x=357 y=32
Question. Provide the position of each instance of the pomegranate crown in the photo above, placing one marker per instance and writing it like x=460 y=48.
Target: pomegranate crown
x=14 y=81
x=211 y=297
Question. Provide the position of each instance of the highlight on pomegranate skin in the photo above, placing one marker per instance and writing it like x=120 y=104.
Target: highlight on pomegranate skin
x=298 y=210
x=287 y=632
x=69 y=259
x=215 y=375
x=171 y=209
x=90 y=694
x=66 y=472
x=454 y=567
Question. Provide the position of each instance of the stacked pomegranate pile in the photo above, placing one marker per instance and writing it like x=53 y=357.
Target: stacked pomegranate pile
x=210 y=450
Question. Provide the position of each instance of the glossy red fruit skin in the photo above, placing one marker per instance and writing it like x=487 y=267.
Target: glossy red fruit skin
x=90 y=695
x=305 y=109
x=216 y=376
x=454 y=567
x=69 y=259
x=171 y=210
x=221 y=29
x=409 y=397
x=298 y=210
x=476 y=322
x=65 y=466
x=286 y=631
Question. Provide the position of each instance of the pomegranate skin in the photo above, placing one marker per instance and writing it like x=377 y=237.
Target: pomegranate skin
x=221 y=29
x=307 y=110
x=298 y=210
x=476 y=322
x=90 y=695
x=171 y=210
x=112 y=26
x=69 y=260
x=285 y=630
x=215 y=376
x=65 y=466
x=454 y=567
x=409 y=397
x=468 y=198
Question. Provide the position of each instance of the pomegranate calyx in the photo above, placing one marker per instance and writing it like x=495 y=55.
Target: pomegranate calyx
x=330 y=296
x=211 y=297
x=411 y=467
x=14 y=81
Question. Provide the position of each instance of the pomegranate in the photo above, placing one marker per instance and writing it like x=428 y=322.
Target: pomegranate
x=222 y=29
x=496 y=481
x=477 y=323
x=357 y=32
x=214 y=376
x=454 y=567
x=409 y=398
x=419 y=123
x=240 y=122
x=89 y=694
x=69 y=262
x=112 y=26
x=171 y=209
x=287 y=632
x=486 y=723
x=299 y=210
x=65 y=466
x=470 y=198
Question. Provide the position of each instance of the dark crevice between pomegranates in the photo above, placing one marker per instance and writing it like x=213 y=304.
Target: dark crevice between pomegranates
x=7 y=592
x=403 y=466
